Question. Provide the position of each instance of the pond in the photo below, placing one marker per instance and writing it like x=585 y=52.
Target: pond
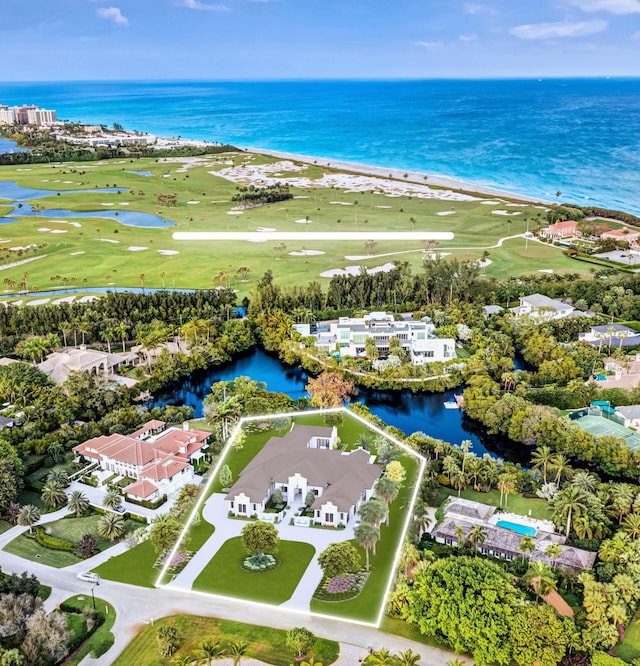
x=9 y=146
x=128 y=218
x=142 y=172
x=409 y=412
x=11 y=191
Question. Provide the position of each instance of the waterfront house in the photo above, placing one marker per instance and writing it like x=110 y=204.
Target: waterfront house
x=417 y=338
x=306 y=459
x=160 y=459
x=59 y=365
x=543 y=308
x=504 y=542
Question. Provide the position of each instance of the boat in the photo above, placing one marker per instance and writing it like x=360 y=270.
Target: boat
x=451 y=404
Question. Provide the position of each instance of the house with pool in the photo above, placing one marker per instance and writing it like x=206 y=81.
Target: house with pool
x=306 y=459
x=504 y=533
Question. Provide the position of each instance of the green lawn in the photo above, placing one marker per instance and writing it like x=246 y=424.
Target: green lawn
x=30 y=549
x=110 y=263
x=223 y=575
x=366 y=606
x=69 y=529
x=515 y=503
x=134 y=566
x=629 y=648
x=27 y=496
x=100 y=641
x=265 y=643
x=4 y=526
x=401 y=628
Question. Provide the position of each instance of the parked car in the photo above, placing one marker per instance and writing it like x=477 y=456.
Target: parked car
x=120 y=509
x=89 y=577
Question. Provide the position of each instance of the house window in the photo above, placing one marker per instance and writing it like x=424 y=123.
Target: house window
x=315 y=492
x=232 y=505
x=328 y=517
x=255 y=507
x=429 y=353
x=448 y=542
x=242 y=508
x=342 y=516
x=283 y=489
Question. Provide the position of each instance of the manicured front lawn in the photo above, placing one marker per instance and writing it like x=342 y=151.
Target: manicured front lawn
x=515 y=504
x=102 y=639
x=27 y=496
x=4 y=526
x=30 y=549
x=135 y=566
x=366 y=606
x=224 y=576
x=265 y=643
x=629 y=648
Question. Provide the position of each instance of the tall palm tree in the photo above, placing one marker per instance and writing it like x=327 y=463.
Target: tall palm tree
x=541 y=458
x=477 y=535
x=458 y=530
x=78 y=503
x=29 y=515
x=236 y=650
x=373 y=512
x=465 y=446
x=387 y=489
x=568 y=502
x=539 y=577
x=107 y=335
x=631 y=525
x=211 y=649
x=553 y=552
x=111 y=526
x=121 y=331
x=421 y=517
x=527 y=545
x=367 y=536
x=560 y=465
x=53 y=495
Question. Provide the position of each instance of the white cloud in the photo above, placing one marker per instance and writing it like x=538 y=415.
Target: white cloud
x=559 y=29
x=430 y=45
x=468 y=38
x=112 y=14
x=477 y=8
x=612 y=6
x=202 y=6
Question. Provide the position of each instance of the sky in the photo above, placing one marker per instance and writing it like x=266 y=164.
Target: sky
x=53 y=40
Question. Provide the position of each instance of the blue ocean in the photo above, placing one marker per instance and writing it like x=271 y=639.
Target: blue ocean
x=580 y=137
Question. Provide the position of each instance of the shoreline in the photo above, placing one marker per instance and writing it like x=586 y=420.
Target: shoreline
x=414 y=177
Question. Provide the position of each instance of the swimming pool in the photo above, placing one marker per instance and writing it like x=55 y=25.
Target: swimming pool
x=525 y=530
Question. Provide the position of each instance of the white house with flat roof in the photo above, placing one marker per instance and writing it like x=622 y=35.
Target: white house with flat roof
x=543 y=308
x=304 y=460
x=417 y=338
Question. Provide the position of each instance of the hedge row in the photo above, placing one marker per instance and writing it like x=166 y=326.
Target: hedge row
x=52 y=542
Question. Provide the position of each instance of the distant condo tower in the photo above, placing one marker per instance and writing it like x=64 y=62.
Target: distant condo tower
x=25 y=115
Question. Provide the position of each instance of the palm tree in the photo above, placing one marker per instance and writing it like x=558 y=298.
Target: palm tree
x=421 y=517
x=477 y=535
x=236 y=650
x=373 y=512
x=567 y=502
x=456 y=662
x=585 y=481
x=367 y=536
x=542 y=458
x=211 y=649
x=141 y=278
x=631 y=525
x=527 y=545
x=458 y=530
x=387 y=489
x=465 y=446
x=112 y=497
x=29 y=515
x=539 y=577
x=111 y=526
x=225 y=413
x=58 y=476
x=107 y=335
x=53 y=495
x=553 y=552
x=561 y=467
x=78 y=503
x=381 y=657
x=408 y=658
x=183 y=660
x=121 y=331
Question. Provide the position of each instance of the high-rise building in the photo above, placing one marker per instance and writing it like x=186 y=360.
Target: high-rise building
x=26 y=115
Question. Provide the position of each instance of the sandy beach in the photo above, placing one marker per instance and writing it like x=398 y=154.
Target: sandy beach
x=415 y=177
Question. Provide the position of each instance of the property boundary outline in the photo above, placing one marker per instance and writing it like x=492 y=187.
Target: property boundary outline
x=214 y=475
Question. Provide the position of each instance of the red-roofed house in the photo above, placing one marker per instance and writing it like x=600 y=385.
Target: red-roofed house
x=559 y=230
x=160 y=460
x=626 y=235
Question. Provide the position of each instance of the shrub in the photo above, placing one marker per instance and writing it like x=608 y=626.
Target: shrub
x=300 y=639
x=168 y=641
x=51 y=542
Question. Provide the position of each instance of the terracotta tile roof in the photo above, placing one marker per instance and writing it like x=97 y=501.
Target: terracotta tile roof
x=147 y=427
x=141 y=489
x=165 y=469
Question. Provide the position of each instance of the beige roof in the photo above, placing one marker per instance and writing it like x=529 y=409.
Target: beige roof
x=343 y=477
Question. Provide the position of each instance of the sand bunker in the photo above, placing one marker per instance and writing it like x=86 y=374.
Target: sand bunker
x=490 y=202
x=306 y=253
x=87 y=299
x=39 y=301
x=44 y=180
x=108 y=240
x=168 y=252
x=485 y=263
x=355 y=270
x=301 y=196
x=23 y=169
x=341 y=203
x=106 y=204
x=545 y=270
x=193 y=203
x=265 y=229
x=124 y=203
x=66 y=299
x=59 y=231
x=73 y=254
x=22 y=247
x=137 y=248
x=446 y=212
x=506 y=213
x=44 y=229
x=235 y=212
x=303 y=220
x=73 y=224
x=383 y=206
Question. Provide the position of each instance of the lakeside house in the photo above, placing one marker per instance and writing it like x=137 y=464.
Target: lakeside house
x=504 y=542
x=417 y=338
x=610 y=335
x=59 y=365
x=160 y=459
x=306 y=459
x=560 y=230
x=543 y=308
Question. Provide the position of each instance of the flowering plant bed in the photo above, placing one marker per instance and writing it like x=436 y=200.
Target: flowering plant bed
x=178 y=562
x=341 y=588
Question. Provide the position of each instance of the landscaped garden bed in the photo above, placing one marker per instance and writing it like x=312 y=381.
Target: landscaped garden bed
x=341 y=588
x=260 y=563
x=178 y=562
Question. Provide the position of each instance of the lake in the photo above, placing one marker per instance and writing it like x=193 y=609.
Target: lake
x=407 y=411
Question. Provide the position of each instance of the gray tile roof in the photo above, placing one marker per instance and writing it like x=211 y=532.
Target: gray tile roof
x=630 y=411
x=542 y=301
